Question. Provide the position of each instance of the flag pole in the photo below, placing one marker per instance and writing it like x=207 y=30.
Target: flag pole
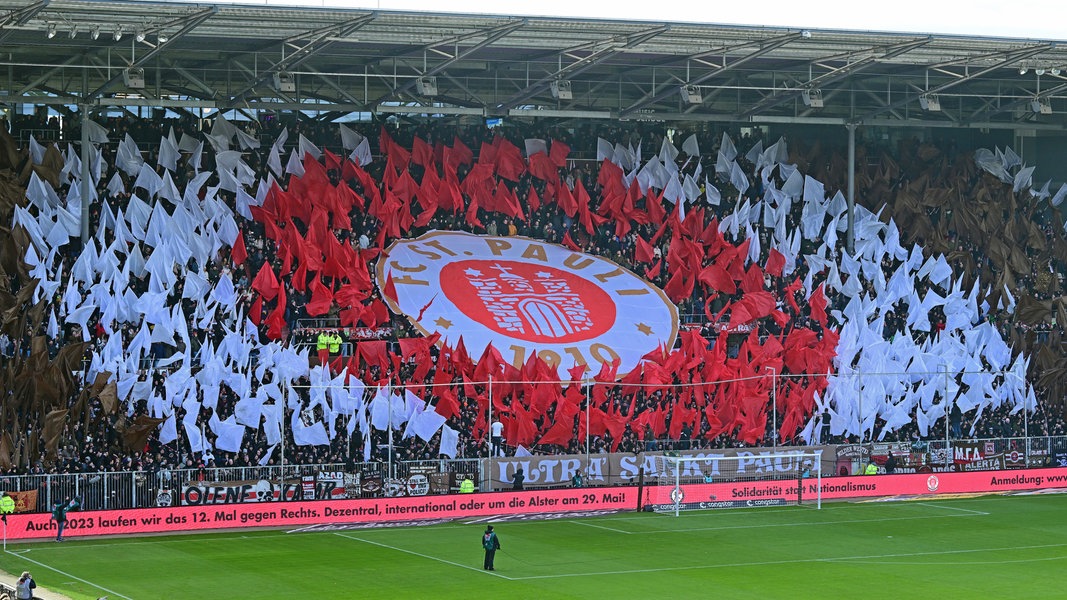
x=587 y=403
x=948 y=448
x=389 y=395
x=281 y=477
x=489 y=431
x=774 y=407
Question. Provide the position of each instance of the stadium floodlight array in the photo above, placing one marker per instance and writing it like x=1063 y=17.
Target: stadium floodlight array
x=709 y=481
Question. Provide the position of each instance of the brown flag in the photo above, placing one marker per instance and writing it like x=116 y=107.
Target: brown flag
x=53 y=431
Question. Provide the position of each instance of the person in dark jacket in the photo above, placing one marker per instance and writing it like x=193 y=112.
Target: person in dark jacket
x=491 y=543
x=516 y=482
x=59 y=514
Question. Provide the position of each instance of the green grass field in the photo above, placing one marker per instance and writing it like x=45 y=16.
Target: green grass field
x=988 y=547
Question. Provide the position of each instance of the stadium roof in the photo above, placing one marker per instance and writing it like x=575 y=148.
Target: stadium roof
x=193 y=55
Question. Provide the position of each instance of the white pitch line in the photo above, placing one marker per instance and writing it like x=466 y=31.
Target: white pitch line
x=601 y=527
x=74 y=577
x=426 y=556
x=829 y=559
x=803 y=524
x=737 y=512
x=185 y=539
x=966 y=510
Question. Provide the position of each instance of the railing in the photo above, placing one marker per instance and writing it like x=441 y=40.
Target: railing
x=318 y=323
x=116 y=490
x=346 y=348
x=141 y=489
x=41 y=135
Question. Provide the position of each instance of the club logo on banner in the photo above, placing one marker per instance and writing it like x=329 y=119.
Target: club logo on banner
x=525 y=296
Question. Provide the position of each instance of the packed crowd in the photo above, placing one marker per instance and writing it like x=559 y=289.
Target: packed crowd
x=890 y=178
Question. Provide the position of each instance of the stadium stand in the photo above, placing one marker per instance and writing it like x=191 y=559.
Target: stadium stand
x=181 y=335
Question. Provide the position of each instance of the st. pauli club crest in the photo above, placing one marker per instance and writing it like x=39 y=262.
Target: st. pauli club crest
x=525 y=296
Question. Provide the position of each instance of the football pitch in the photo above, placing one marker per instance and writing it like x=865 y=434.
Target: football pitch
x=982 y=547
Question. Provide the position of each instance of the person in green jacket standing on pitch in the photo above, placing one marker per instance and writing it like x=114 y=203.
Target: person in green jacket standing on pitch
x=491 y=543
x=59 y=513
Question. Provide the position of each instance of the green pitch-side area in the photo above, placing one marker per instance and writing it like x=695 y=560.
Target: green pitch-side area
x=987 y=547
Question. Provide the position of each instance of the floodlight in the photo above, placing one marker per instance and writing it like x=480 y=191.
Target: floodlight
x=812 y=98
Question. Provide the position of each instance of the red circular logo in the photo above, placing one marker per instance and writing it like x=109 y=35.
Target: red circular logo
x=530 y=301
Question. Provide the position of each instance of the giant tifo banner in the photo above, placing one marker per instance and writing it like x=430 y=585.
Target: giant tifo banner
x=525 y=296
x=625 y=468
x=323 y=514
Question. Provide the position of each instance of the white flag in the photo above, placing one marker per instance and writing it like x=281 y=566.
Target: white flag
x=449 y=441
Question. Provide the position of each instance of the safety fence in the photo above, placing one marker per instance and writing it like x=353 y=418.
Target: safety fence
x=119 y=490
x=115 y=490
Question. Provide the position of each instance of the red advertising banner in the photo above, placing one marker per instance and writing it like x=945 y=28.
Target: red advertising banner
x=761 y=493
x=291 y=514
x=384 y=510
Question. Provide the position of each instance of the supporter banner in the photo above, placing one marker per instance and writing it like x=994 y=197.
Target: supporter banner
x=327 y=486
x=369 y=333
x=24 y=501
x=909 y=457
x=336 y=513
x=966 y=451
x=1059 y=459
x=622 y=468
x=721 y=327
x=422 y=480
x=355 y=333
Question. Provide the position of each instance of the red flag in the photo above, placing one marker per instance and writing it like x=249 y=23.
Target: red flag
x=509 y=163
x=461 y=154
x=790 y=293
x=566 y=201
x=753 y=279
x=775 y=263
x=421 y=152
x=266 y=283
x=559 y=434
x=543 y=168
x=276 y=320
x=643 y=252
x=255 y=314
x=679 y=287
x=558 y=153
x=569 y=242
x=471 y=216
x=818 y=306
x=653 y=271
x=374 y=353
x=447 y=403
x=390 y=288
x=654 y=207
x=533 y=200
x=321 y=298
x=717 y=279
x=238 y=253
x=392 y=150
